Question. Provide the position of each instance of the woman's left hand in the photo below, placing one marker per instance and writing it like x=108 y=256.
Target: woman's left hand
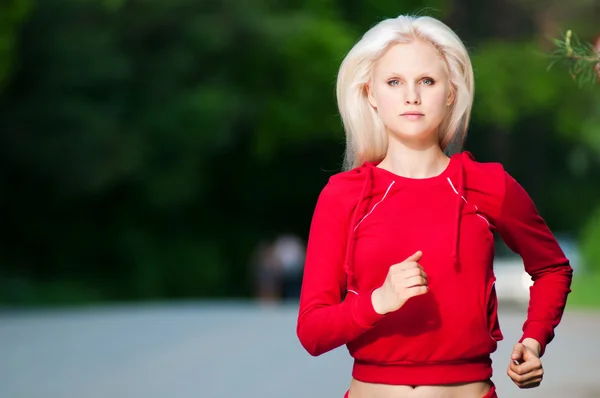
x=525 y=368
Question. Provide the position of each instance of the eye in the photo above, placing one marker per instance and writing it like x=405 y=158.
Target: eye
x=393 y=82
x=428 y=81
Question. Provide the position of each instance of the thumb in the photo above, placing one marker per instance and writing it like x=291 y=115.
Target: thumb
x=518 y=352
x=415 y=257
x=528 y=353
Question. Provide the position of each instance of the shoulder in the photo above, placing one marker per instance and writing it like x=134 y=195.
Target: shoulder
x=487 y=181
x=345 y=185
x=342 y=190
x=488 y=177
x=481 y=172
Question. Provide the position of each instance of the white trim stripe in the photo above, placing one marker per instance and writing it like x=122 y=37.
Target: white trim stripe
x=382 y=199
x=463 y=198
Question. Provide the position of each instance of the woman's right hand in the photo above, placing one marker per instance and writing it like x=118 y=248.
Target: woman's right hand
x=403 y=281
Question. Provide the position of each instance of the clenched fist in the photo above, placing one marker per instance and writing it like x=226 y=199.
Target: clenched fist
x=526 y=369
x=403 y=281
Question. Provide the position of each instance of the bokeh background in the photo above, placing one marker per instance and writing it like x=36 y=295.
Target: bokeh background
x=151 y=152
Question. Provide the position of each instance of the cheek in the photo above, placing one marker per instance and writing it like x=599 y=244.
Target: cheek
x=438 y=102
x=388 y=102
x=439 y=97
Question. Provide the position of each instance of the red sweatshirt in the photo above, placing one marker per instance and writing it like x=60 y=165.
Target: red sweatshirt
x=368 y=219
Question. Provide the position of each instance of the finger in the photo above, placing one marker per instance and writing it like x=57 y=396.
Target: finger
x=406 y=266
x=410 y=272
x=516 y=368
x=526 y=372
x=402 y=281
x=524 y=378
x=521 y=376
x=529 y=384
x=416 y=291
x=525 y=381
x=526 y=367
x=403 y=266
x=518 y=376
x=532 y=383
x=414 y=281
x=414 y=257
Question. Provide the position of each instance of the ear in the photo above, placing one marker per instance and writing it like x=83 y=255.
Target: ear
x=451 y=95
x=370 y=95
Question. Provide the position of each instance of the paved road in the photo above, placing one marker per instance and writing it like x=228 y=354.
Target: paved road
x=233 y=349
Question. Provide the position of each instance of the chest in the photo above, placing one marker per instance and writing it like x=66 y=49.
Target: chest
x=454 y=236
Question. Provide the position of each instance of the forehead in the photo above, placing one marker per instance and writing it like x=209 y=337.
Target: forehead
x=411 y=58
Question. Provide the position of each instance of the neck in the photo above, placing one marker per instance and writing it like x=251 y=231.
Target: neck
x=425 y=162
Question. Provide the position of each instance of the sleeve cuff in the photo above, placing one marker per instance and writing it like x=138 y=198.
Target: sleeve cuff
x=363 y=311
x=539 y=332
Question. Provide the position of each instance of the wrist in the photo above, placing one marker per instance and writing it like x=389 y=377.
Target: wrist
x=533 y=345
x=376 y=301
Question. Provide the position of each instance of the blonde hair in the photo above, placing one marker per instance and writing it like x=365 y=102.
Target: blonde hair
x=366 y=137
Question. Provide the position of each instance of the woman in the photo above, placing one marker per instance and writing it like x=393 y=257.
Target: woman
x=400 y=250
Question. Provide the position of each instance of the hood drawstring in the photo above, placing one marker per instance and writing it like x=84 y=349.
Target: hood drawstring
x=460 y=201
x=354 y=223
x=350 y=240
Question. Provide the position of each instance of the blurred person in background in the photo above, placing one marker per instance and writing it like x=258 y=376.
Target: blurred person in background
x=289 y=251
x=277 y=268
x=399 y=262
x=266 y=273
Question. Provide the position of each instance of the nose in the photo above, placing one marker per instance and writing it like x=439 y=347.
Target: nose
x=412 y=96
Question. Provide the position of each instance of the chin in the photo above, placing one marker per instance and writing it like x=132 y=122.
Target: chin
x=414 y=134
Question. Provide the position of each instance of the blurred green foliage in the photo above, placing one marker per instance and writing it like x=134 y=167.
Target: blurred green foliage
x=12 y=14
x=581 y=59
x=147 y=147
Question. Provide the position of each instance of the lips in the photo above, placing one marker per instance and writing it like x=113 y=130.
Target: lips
x=412 y=116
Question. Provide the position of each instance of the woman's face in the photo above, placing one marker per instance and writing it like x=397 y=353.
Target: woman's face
x=410 y=90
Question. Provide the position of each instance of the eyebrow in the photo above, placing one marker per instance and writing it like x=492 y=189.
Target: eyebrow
x=426 y=74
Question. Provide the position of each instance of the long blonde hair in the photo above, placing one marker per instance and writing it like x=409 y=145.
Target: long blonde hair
x=366 y=137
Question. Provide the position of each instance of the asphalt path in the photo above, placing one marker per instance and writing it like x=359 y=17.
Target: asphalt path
x=230 y=350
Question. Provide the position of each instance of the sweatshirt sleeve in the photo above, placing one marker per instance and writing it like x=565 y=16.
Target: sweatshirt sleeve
x=526 y=233
x=325 y=321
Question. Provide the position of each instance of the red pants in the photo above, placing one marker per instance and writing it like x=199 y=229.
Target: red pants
x=491 y=394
